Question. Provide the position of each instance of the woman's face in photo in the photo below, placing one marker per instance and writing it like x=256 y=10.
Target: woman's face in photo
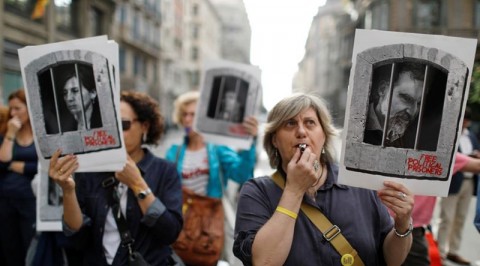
x=19 y=110
x=73 y=92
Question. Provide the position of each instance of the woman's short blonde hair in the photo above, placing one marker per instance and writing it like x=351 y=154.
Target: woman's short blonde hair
x=290 y=107
x=180 y=103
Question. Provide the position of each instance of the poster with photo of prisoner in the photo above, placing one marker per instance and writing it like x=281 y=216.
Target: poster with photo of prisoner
x=73 y=101
x=230 y=92
x=410 y=92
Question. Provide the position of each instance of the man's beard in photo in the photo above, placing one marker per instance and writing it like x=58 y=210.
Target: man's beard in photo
x=397 y=126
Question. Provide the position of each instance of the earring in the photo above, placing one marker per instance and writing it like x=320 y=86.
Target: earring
x=276 y=160
x=323 y=150
x=144 y=137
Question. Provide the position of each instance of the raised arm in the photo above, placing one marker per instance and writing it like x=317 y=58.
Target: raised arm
x=61 y=171
x=398 y=242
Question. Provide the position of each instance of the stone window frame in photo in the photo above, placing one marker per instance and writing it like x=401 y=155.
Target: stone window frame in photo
x=74 y=142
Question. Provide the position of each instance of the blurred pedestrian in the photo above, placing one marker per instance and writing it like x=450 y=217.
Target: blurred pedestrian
x=3 y=128
x=423 y=211
x=18 y=166
x=476 y=221
x=454 y=208
x=271 y=230
x=4 y=113
x=132 y=214
x=206 y=167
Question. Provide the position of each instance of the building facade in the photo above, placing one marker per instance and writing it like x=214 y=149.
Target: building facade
x=136 y=28
x=23 y=22
x=330 y=44
x=325 y=67
x=236 y=31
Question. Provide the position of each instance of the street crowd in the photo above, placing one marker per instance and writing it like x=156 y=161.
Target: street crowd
x=300 y=215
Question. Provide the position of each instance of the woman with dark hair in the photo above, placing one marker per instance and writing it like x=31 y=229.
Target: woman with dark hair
x=76 y=84
x=18 y=166
x=146 y=193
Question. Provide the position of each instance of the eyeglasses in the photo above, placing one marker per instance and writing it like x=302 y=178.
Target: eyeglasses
x=127 y=124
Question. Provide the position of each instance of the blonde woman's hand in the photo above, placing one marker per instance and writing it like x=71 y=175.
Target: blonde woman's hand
x=250 y=124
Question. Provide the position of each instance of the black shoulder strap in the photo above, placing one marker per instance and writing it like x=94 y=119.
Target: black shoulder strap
x=114 y=201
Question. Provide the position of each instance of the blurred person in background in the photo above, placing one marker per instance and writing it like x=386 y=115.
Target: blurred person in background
x=18 y=166
x=3 y=128
x=423 y=212
x=206 y=167
x=454 y=208
x=146 y=192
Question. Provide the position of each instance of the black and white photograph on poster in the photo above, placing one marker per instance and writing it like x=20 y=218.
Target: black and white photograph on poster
x=74 y=101
x=230 y=92
x=410 y=92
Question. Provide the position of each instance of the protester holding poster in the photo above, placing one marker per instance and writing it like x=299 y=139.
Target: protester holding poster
x=206 y=167
x=146 y=193
x=270 y=226
x=18 y=166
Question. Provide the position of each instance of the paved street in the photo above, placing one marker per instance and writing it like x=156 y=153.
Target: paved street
x=471 y=238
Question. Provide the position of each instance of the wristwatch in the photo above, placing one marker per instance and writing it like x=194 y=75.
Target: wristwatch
x=144 y=193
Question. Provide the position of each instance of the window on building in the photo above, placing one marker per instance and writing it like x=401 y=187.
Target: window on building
x=12 y=78
x=136 y=26
x=139 y=66
x=25 y=8
x=195 y=9
x=194 y=53
x=195 y=31
x=195 y=78
x=427 y=13
x=121 y=59
x=477 y=14
x=96 y=20
x=66 y=16
x=379 y=19
x=12 y=81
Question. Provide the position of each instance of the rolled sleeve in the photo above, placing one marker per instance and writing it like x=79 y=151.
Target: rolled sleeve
x=156 y=209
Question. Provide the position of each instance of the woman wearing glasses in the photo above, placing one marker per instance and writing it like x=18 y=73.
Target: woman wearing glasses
x=147 y=192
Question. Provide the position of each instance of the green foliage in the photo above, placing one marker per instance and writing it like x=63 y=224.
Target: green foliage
x=474 y=97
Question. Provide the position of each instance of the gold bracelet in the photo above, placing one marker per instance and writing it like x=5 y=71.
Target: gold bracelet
x=10 y=138
x=287 y=212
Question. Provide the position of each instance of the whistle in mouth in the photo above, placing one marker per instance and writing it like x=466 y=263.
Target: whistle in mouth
x=302 y=147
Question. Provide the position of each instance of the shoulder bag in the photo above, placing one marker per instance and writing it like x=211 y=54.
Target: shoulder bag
x=201 y=240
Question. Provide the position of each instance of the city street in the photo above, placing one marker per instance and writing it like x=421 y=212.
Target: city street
x=471 y=237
